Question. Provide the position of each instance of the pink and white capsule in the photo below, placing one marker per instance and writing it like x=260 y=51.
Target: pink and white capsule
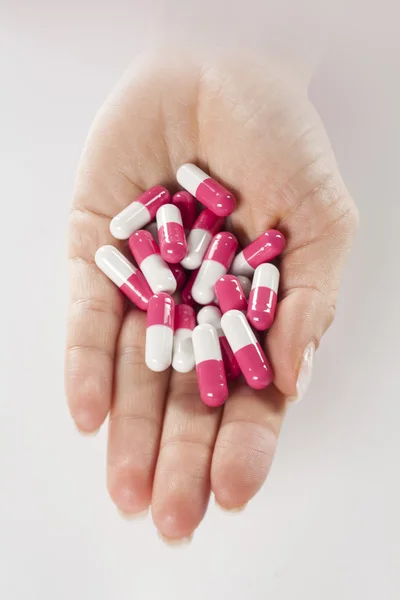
x=160 y=332
x=147 y=255
x=139 y=213
x=209 y=366
x=263 y=297
x=207 y=191
x=183 y=355
x=171 y=235
x=246 y=285
x=216 y=263
x=247 y=350
x=264 y=249
x=177 y=270
x=187 y=206
x=212 y=315
x=205 y=227
x=128 y=278
x=230 y=294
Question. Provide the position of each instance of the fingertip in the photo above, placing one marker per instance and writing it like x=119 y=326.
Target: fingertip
x=178 y=505
x=242 y=459
x=129 y=490
x=88 y=404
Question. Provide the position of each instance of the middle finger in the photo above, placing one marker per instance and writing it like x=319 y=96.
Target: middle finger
x=182 y=480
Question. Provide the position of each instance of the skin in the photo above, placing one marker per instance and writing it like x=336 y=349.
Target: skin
x=253 y=128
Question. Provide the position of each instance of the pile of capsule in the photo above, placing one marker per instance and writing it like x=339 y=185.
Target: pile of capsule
x=231 y=296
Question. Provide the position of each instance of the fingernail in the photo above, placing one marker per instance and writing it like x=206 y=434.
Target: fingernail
x=88 y=433
x=305 y=373
x=175 y=542
x=231 y=511
x=139 y=516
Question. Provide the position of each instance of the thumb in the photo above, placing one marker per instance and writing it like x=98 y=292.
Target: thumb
x=310 y=279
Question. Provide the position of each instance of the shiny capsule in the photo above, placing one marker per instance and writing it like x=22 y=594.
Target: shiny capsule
x=128 y=278
x=207 y=191
x=209 y=366
x=216 y=263
x=212 y=315
x=264 y=249
x=171 y=235
x=247 y=350
x=263 y=297
x=160 y=332
x=139 y=213
x=147 y=255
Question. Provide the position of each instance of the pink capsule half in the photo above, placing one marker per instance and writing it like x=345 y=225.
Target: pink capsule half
x=207 y=191
x=209 y=366
x=187 y=206
x=171 y=235
x=139 y=213
x=216 y=263
x=264 y=249
x=247 y=350
x=263 y=297
x=205 y=227
x=128 y=278
x=183 y=355
x=230 y=294
x=160 y=332
x=212 y=315
x=147 y=255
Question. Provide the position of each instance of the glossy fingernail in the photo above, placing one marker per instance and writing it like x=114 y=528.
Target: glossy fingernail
x=305 y=373
x=139 y=516
x=231 y=511
x=88 y=433
x=175 y=542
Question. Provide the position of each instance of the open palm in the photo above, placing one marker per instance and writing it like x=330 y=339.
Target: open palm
x=255 y=130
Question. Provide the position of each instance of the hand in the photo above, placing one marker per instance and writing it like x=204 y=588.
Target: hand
x=254 y=129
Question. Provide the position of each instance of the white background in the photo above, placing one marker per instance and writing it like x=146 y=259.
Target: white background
x=326 y=525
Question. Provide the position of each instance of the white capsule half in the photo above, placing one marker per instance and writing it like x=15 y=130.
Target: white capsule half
x=159 y=345
x=158 y=275
x=208 y=275
x=197 y=244
x=267 y=276
x=206 y=343
x=133 y=217
x=190 y=177
x=114 y=265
